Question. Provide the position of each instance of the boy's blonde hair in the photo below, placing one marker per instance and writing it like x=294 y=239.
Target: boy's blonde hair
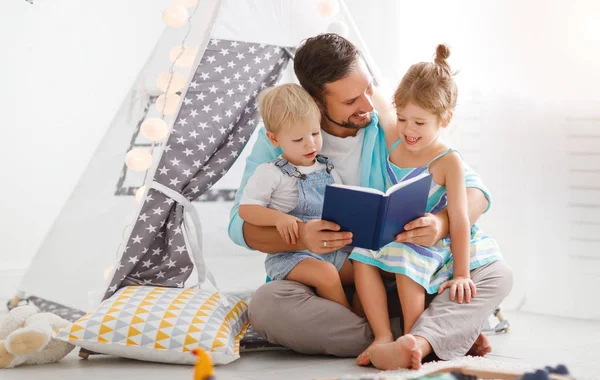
x=287 y=104
x=429 y=85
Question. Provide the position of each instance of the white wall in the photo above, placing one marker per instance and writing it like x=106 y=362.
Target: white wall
x=66 y=66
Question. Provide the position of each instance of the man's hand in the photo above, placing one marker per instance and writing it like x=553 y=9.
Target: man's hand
x=287 y=226
x=321 y=236
x=425 y=231
x=464 y=287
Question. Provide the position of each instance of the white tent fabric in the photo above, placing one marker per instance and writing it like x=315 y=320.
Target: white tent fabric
x=75 y=260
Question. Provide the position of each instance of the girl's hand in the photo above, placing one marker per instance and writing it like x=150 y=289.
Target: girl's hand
x=287 y=225
x=464 y=287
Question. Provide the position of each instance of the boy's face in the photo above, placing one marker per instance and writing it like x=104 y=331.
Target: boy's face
x=300 y=142
x=348 y=105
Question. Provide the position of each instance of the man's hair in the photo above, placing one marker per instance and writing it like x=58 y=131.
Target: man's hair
x=430 y=85
x=324 y=59
x=283 y=105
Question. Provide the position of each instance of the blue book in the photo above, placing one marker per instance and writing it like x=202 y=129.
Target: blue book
x=375 y=217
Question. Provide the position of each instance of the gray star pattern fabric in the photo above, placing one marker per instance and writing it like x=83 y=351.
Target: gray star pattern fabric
x=217 y=117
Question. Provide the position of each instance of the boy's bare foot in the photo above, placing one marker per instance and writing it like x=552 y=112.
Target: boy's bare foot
x=363 y=358
x=403 y=353
x=481 y=347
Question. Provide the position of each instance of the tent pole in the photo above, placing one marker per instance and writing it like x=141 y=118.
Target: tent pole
x=365 y=50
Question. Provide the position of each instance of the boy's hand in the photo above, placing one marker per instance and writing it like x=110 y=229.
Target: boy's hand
x=464 y=287
x=287 y=225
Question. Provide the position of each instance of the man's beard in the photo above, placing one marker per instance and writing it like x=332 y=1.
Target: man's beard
x=346 y=124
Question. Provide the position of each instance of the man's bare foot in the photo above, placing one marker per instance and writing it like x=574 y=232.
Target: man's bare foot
x=363 y=358
x=481 y=347
x=403 y=353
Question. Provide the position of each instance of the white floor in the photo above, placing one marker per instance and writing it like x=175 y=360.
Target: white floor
x=533 y=340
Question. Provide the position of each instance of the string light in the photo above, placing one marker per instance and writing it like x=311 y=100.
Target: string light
x=338 y=27
x=177 y=81
x=168 y=102
x=186 y=3
x=183 y=56
x=139 y=194
x=138 y=159
x=154 y=129
x=175 y=16
x=328 y=8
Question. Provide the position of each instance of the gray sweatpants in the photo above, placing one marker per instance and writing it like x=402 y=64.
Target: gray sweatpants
x=292 y=315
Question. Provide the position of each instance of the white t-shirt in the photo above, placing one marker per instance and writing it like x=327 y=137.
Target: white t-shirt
x=345 y=153
x=270 y=187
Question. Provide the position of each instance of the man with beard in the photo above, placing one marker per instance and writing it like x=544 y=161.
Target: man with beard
x=290 y=314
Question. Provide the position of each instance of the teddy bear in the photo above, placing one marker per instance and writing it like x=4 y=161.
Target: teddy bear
x=26 y=338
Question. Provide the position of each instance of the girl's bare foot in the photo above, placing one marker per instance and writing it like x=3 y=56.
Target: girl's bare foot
x=363 y=358
x=481 y=347
x=403 y=353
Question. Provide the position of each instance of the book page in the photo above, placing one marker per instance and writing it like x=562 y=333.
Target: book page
x=406 y=183
x=358 y=188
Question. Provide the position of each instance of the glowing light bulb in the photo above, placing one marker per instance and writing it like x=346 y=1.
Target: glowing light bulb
x=186 y=3
x=139 y=194
x=187 y=57
x=154 y=129
x=167 y=103
x=138 y=159
x=108 y=271
x=175 y=16
x=328 y=8
x=338 y=27
x=177 y=81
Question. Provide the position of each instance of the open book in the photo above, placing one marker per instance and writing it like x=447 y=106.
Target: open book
x=374 y=217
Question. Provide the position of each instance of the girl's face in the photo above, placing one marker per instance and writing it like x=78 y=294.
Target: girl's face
x=300 y=142
x=417 y=127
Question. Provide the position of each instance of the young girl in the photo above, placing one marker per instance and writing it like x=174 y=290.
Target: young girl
x=424 y=100
x=292 y=188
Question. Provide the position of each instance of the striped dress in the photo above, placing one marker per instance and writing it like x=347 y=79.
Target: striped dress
x=428 y=266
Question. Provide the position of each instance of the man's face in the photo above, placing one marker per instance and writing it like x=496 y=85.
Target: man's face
x=348 y=102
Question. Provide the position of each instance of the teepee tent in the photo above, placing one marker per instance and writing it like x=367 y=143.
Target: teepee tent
x=101 y=240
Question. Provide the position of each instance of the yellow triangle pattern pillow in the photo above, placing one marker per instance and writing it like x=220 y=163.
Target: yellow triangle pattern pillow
x=163 y=325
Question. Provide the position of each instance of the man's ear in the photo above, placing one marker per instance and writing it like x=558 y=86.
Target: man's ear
x=272 y=138
x=446 y=121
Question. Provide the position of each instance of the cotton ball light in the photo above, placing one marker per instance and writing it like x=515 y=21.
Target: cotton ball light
x=338 y=27
x=154 y=129
x=108 y=272
x=138 y=159
x=177 y=81
x=175 y=16
x=186 y=59
x=186 y=3
x=167 y=103
x=327 y=8
x=139 y=194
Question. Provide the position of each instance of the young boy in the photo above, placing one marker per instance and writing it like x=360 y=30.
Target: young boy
x=291 y=188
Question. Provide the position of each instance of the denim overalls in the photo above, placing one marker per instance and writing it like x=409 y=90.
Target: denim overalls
x=311 y=193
